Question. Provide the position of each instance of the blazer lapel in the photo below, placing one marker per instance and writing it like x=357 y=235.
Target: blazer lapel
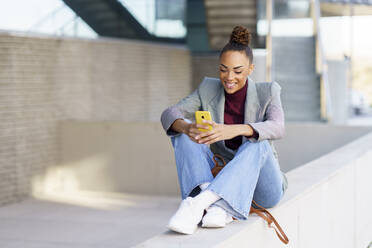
x=218 y=106
x=252 y=104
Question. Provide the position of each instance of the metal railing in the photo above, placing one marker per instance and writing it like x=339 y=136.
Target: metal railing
x=68 y=27
x=163 y=18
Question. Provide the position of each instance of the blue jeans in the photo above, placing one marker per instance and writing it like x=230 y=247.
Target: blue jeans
x=252 y=173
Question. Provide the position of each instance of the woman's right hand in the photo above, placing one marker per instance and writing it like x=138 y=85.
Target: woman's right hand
x=192 y=130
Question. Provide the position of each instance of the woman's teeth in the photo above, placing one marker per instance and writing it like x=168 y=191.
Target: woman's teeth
x=230 y=85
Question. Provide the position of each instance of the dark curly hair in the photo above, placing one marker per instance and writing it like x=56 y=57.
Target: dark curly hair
x=239 y=41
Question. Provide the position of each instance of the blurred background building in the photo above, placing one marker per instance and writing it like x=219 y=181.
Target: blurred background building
x=326 y=40
x=81 y=81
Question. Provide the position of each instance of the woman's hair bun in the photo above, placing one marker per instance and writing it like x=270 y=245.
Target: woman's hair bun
x=240 y=35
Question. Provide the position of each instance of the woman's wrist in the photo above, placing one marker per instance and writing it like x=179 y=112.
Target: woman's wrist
x=243 y=129
x=179 y=125
x=235 y=130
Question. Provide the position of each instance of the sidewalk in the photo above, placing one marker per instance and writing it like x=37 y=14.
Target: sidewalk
x=362 y=120
x=84 y=220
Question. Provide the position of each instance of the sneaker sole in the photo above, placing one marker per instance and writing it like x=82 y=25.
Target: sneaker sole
x=214 y=224
x=183 y=230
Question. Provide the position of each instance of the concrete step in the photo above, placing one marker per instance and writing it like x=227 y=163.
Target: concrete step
x=298 y=83
x=230 y=4
x=230 y=1
x=295 y=66
x=302 y=116
x=309 y=100
x=231 y=12
x=223 y=16
x=288 y=41
x=294 y=69
x=301 y=105
x=231 y=21
x=296 y=53
x=289 y=44
x=225 y=30
x=301 y=101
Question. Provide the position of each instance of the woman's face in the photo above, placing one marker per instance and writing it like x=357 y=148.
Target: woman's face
x=234 y=70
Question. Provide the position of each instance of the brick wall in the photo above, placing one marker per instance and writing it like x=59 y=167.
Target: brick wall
x=45 y=79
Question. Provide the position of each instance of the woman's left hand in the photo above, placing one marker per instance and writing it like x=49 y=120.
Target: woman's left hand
x=218 y=132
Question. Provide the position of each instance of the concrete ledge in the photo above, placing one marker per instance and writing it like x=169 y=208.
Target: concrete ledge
x=327 y=204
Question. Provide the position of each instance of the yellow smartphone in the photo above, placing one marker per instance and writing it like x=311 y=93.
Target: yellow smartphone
x=203 y=115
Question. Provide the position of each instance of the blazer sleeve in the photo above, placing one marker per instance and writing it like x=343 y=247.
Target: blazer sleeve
x=184 y=109
x=273 y=125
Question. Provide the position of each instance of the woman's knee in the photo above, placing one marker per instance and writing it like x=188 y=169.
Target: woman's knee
x=184 y=140
x=260 y=145
x=271 y=201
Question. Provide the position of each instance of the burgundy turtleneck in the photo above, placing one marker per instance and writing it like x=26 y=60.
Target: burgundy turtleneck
x=234 y=113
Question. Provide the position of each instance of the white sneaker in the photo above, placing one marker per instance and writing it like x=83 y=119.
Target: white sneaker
x=187 y=217
x=216 y=217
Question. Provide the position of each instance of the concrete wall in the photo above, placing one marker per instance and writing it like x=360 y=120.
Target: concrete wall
x=338 y=72
x=44 y=80
x=304 y=142
x=120 y=157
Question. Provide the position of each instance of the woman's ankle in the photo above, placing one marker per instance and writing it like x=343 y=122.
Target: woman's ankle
x=203 y=186
x=206 y=198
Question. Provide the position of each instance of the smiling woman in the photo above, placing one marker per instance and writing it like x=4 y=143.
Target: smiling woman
x=246 y=118
x=236 y=60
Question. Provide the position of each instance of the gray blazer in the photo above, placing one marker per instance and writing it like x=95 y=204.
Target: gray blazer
x=263 y=111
